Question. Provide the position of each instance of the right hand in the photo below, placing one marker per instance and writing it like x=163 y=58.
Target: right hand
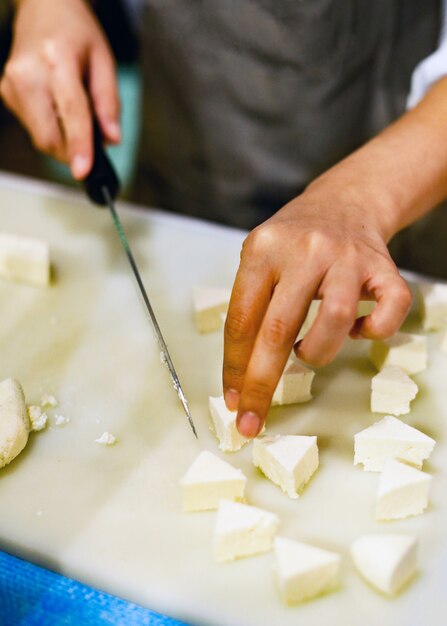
x=60 y=68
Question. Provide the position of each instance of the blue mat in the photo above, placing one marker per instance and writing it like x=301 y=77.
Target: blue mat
x=33 y=596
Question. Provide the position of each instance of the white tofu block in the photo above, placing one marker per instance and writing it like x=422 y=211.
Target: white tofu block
x=287 y=460
x=433 y=305
x=223 y=424
x=14 y=422
x=294 y=385
x=209 y=306
x=385 y=561
x=24 y=259
x=391 y=438
x=208 y=480
x=409 y=352
x=403 y=491
x=392 y=391
x=304 y=571
x=242 y=530
x=37 y=418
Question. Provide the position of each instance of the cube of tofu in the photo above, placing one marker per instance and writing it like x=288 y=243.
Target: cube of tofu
x=289 y=461
x=392 y=391
x=38 y=418
x=223 y=424
x=208 y=480
x=242 y=530
x=24 y=259
x=433 y=305
x=386 y=561
x=295 y=384
x=407 y=351
x=210 y=304
x=14 y=422
x=391 y=438
x=304 y=571
x=403 y=491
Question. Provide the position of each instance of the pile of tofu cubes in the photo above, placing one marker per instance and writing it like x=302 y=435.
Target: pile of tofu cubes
x=389 y=447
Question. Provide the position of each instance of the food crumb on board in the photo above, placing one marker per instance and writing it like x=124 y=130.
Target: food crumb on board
x=106 y=439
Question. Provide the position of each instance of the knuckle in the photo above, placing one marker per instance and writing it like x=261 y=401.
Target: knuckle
x=340 y=312
x=276 y=333
x=238 y=327
x=51 y=51
x=232 y=371
x=260 y=240
x=258 y=392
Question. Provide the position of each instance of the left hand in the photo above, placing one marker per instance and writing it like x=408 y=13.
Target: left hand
x=323 y=244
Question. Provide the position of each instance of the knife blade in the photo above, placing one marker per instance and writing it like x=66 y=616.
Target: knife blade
x=102 y=186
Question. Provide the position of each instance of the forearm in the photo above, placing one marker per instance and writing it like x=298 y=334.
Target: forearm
x=403 y=171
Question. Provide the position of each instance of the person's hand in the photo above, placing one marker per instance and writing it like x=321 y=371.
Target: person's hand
x=321 y=245
x=59 y=68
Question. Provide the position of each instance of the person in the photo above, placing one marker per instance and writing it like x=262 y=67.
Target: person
x=251 y=104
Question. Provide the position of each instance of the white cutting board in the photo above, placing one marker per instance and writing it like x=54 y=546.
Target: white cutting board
x=111 y=517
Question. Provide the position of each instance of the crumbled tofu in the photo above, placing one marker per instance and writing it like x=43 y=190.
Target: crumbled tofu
x=403 y=491
x=223 y=424
x=208 y=480
x=209 y=305
x=37 y=418
x=61 y=420
x=14 y=421
x=106 y=439
x=392 y=391
x=433 y=305
x=386 y=561
x=409 y=352
x=242 y=530
x=287 y=460
x=48 y=401
x=294 y=385
x=391 y=438
x=304 y=571
x=24 y=259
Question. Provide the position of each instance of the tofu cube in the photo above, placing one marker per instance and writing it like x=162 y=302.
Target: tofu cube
x=289 y=461
x=407 y=351
x=25 y=260
x=304 y=571
x=295 y=384
x=210 y=304
x=403 y=491
x=208 y=480
x=386 y=561
x=391 y=438
x=392 y=391
x=242 y=530
x=223 y=424
x=433 y=305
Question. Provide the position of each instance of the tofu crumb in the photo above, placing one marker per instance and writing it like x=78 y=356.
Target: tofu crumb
x=37 y=418
x=106 y=439
x=61 y=420
x=48 y=400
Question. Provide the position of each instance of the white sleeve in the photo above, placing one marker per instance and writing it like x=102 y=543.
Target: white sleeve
x=431 y=69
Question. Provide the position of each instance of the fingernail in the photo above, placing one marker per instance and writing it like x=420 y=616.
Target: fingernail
x=79 y=166
x=249 y=424
x=231 y=397
x=113 y=131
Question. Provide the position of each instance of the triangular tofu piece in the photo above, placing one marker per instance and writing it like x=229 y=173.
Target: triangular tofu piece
x=403 y=491
x=210 y=303
x=391 y=438
x=295 y=384
x=14 y=421
x=223 y=425
x=287 y=460
x=208 y=480
x=386 y=561
x=304 y=571
x=392 y=391
x=433 y=305
x=242 y=530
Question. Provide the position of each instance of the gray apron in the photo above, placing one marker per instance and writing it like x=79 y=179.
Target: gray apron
x=246 y=101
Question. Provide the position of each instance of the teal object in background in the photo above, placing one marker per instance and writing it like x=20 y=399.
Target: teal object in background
x=124 y=156
x=33 y=596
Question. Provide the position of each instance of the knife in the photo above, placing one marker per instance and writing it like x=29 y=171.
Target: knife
x=102 y=187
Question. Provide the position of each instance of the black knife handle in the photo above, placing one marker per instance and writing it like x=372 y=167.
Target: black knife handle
x=102 y=173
